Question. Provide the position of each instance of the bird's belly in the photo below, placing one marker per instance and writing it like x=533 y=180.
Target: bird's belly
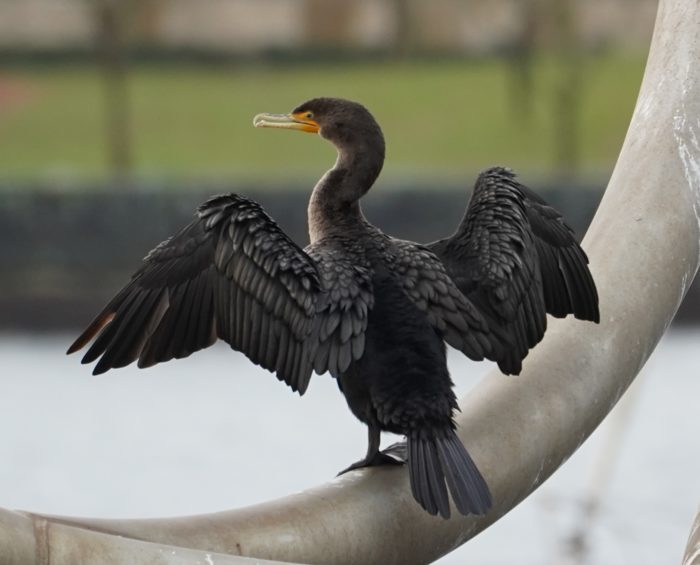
x=401 y=382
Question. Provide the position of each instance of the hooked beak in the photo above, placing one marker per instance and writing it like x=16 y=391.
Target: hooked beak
x=286 y=121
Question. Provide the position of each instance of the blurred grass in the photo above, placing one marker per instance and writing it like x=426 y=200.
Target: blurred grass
x=439 y=118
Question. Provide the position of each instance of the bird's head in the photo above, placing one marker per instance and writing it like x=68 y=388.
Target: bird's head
x=344 y=123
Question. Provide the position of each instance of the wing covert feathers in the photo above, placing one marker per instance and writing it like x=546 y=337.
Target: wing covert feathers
x=428 y=284
x=343 y=311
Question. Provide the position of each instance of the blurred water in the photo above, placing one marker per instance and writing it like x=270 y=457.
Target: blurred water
x=118 y=445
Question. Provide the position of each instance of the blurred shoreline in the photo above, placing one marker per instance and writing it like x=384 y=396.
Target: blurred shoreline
x=64 y=254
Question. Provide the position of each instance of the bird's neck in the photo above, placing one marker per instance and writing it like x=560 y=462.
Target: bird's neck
x=334 y=207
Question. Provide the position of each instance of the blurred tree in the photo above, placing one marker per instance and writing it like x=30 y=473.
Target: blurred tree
x=567 y=103
x=328 y=22
x=520 y=56
x=403 y=36
x=550 y=27
x=148 y=18
x=111 y=17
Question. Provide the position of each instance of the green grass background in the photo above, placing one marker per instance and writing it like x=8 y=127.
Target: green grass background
x=440 y=118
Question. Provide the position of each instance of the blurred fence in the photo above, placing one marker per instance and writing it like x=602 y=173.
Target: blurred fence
x=64 y=254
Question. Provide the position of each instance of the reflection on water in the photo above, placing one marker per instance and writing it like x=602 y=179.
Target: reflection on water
x=214 y=432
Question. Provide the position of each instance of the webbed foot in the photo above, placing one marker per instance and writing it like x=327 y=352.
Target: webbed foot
x=375 y=460
x=398 y=451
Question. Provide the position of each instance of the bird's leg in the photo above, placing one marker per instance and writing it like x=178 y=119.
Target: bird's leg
x=374 y=457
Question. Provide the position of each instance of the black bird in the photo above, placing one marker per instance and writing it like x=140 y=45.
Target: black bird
x=372 y=310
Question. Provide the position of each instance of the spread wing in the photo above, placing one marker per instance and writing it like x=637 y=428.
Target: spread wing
x=230 y=274
x=516 y=259
x=431 y=288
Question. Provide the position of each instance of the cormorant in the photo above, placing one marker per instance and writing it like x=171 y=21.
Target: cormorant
x=372 y=310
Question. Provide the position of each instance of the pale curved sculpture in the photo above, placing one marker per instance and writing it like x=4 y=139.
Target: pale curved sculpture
x=644 y=249
x=692 y=549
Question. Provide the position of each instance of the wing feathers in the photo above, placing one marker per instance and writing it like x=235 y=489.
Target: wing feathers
x=516 y=259
x=104 y=318
x=232 y=274
x=108 y=331
x=130 y=344
x=432 y=289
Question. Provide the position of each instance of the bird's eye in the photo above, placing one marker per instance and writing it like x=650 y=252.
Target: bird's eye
x=309 y=115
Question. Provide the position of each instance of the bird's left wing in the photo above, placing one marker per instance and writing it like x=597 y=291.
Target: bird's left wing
x=516 y=259
x=231 y=274
x=567 y=282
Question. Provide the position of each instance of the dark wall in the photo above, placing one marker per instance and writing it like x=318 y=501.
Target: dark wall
x=63 y=255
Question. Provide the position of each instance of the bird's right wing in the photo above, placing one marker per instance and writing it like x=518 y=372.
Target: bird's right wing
x=230 y=274
x=515 y=259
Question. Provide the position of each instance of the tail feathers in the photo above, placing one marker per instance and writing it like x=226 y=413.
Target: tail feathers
x=436 y=464
x=469 y=489
x=427 y=477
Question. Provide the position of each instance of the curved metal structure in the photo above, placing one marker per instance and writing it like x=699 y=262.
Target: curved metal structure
x=644 y=249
